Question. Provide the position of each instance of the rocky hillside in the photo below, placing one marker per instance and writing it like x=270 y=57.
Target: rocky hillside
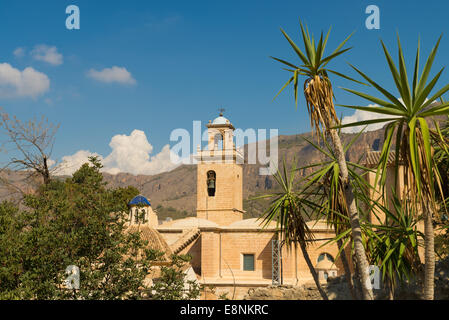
x=173 y=194
x=176 y=190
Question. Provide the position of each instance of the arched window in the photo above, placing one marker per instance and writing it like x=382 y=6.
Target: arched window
x=140 y=216
x=218 y=141
x=326 y=256
x=211 y=183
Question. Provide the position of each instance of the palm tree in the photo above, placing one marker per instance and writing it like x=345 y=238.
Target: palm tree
x=289 y=208
x=319 y=99
x=393 y=246
x=441 y=155
x=331 y=202
x=413 y=147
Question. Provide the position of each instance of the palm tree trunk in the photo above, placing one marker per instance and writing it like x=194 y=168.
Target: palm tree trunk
x=348 y=274
x=312 y=270
x=390 y=289
x=429 y=254
x=390 y=294
x=359 y=250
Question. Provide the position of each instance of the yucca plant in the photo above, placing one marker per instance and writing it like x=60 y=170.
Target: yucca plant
x=408 y=129
x=440 y=140
x=291 y=209
x=318 y=92
x=326 y=176
x=441 y=157
x=393 y=247
x=331 y=203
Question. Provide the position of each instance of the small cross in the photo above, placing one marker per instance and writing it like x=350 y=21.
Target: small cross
x=221 y=111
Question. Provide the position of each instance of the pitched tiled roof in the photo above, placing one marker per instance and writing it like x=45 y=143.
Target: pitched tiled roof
x=187 y=238
x=373 y=158
x=154 y=238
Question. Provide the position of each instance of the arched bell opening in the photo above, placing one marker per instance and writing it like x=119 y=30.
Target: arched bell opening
x=211 y=183
x=218 y=142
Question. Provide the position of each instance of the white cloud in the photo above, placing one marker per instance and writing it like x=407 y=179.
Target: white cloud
x=69 y=164
x=26 y=83
x=110 y=75
x=360 y=115
x=47 y=54
x=19 y=52
x=130 y=153
x=51 y=163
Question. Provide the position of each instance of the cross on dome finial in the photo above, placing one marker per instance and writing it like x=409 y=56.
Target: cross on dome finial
x=221 y=111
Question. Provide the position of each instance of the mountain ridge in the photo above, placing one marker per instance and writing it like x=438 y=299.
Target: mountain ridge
x=176 y=189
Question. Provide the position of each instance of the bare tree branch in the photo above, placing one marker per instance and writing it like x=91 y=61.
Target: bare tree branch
x=29 y=145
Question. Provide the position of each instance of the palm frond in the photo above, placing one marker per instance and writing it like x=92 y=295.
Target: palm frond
x=317 y=86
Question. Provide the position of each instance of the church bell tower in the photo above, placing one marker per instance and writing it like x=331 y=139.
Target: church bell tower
x=220 y=175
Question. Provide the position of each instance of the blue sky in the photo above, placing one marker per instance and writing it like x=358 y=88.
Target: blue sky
x=188 y=58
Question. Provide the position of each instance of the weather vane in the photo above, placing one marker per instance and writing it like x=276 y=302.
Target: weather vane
x=221 y=111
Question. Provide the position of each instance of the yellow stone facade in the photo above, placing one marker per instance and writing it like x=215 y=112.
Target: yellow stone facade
x=219 y=239
x=226 y=206
x=231 y=254
x=218 y=170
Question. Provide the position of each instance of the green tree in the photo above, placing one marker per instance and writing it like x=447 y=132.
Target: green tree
x=291 y=208
x=328 y=191
x=407 y=122
x=393 y=245
x=172 y=285
x=319 y=96
x=441 y=157
x=11 y=225
x=73 y=222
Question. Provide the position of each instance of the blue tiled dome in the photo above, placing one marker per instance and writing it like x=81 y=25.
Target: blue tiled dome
x=139 y=200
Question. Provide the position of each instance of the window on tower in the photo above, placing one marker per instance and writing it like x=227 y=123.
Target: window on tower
x=211 y=183
x=218 y=141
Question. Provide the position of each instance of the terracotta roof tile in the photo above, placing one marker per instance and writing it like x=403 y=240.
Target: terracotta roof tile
x=187 y=238
x=154 y=238
x=373 y=158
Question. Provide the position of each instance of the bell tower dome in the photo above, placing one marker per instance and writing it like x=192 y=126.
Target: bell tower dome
x=220 y=175
x=141 y=213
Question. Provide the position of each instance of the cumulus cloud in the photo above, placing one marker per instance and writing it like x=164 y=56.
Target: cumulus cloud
x=130 y=153
x=47 y=54
x=360 y=115
x=110 y=75
x=26 y=83
x=69 y=164
x=19 y=52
